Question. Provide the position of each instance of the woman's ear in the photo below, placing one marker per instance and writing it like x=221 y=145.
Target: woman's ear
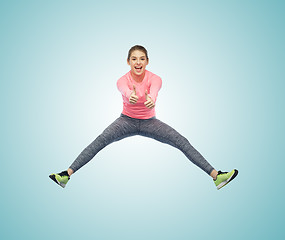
x=128 y=62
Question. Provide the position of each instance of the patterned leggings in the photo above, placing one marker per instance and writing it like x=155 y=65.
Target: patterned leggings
x=125 y=126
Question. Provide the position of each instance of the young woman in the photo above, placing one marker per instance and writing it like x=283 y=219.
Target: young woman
x=139 y=88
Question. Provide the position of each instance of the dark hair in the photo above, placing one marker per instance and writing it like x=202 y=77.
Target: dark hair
x=137 y=47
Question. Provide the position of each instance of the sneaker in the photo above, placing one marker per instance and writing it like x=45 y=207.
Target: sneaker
x=223 y=178
x=60 y=178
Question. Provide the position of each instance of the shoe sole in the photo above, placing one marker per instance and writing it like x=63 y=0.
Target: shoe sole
x=52 y=176
x=222 y=184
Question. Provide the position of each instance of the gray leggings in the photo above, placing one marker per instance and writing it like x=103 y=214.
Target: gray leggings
x=125 y=126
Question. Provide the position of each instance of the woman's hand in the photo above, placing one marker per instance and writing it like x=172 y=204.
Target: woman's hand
x=133 y=98
x=149 y=103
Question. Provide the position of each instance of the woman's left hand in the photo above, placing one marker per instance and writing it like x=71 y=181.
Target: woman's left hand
x=149 y=103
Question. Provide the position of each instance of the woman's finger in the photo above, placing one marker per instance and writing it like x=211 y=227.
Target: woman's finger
x=149 y=105
x=133 y=99
x=148 y=102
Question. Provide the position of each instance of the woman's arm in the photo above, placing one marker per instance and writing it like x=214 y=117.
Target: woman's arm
x=155 y=85
x=123 y=87
x=125 y=91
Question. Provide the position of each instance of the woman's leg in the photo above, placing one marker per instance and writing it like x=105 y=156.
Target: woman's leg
x=162 y=132
x=122 y=127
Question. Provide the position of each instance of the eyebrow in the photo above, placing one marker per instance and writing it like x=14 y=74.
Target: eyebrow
x=136 y=57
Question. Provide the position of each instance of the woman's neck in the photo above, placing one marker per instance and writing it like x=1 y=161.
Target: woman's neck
x=138 y=78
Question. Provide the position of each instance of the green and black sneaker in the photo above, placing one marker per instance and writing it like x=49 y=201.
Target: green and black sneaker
x=223 y=178
x=60 y=178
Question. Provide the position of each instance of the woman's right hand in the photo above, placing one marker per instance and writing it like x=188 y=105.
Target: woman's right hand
x=133 y=98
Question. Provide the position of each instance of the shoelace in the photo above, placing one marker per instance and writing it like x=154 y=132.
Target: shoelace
x=220 y=172
x=64 y=173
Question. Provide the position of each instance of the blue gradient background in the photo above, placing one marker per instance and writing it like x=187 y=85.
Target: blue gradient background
x=222 y=65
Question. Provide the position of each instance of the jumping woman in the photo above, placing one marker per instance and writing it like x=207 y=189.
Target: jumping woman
x=139 y=88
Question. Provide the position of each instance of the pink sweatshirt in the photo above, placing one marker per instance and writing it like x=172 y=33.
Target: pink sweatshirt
x=151 y=83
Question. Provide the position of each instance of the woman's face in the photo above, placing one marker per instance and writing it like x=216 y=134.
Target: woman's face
x=138 y=62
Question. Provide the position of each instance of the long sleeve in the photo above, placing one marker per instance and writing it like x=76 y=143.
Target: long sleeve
x=123 y=87
x=155 y=85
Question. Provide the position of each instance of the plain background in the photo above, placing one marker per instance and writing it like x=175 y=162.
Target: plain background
x=222 y=66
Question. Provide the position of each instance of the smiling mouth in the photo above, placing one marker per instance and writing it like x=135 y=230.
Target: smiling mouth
x=138 y=68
